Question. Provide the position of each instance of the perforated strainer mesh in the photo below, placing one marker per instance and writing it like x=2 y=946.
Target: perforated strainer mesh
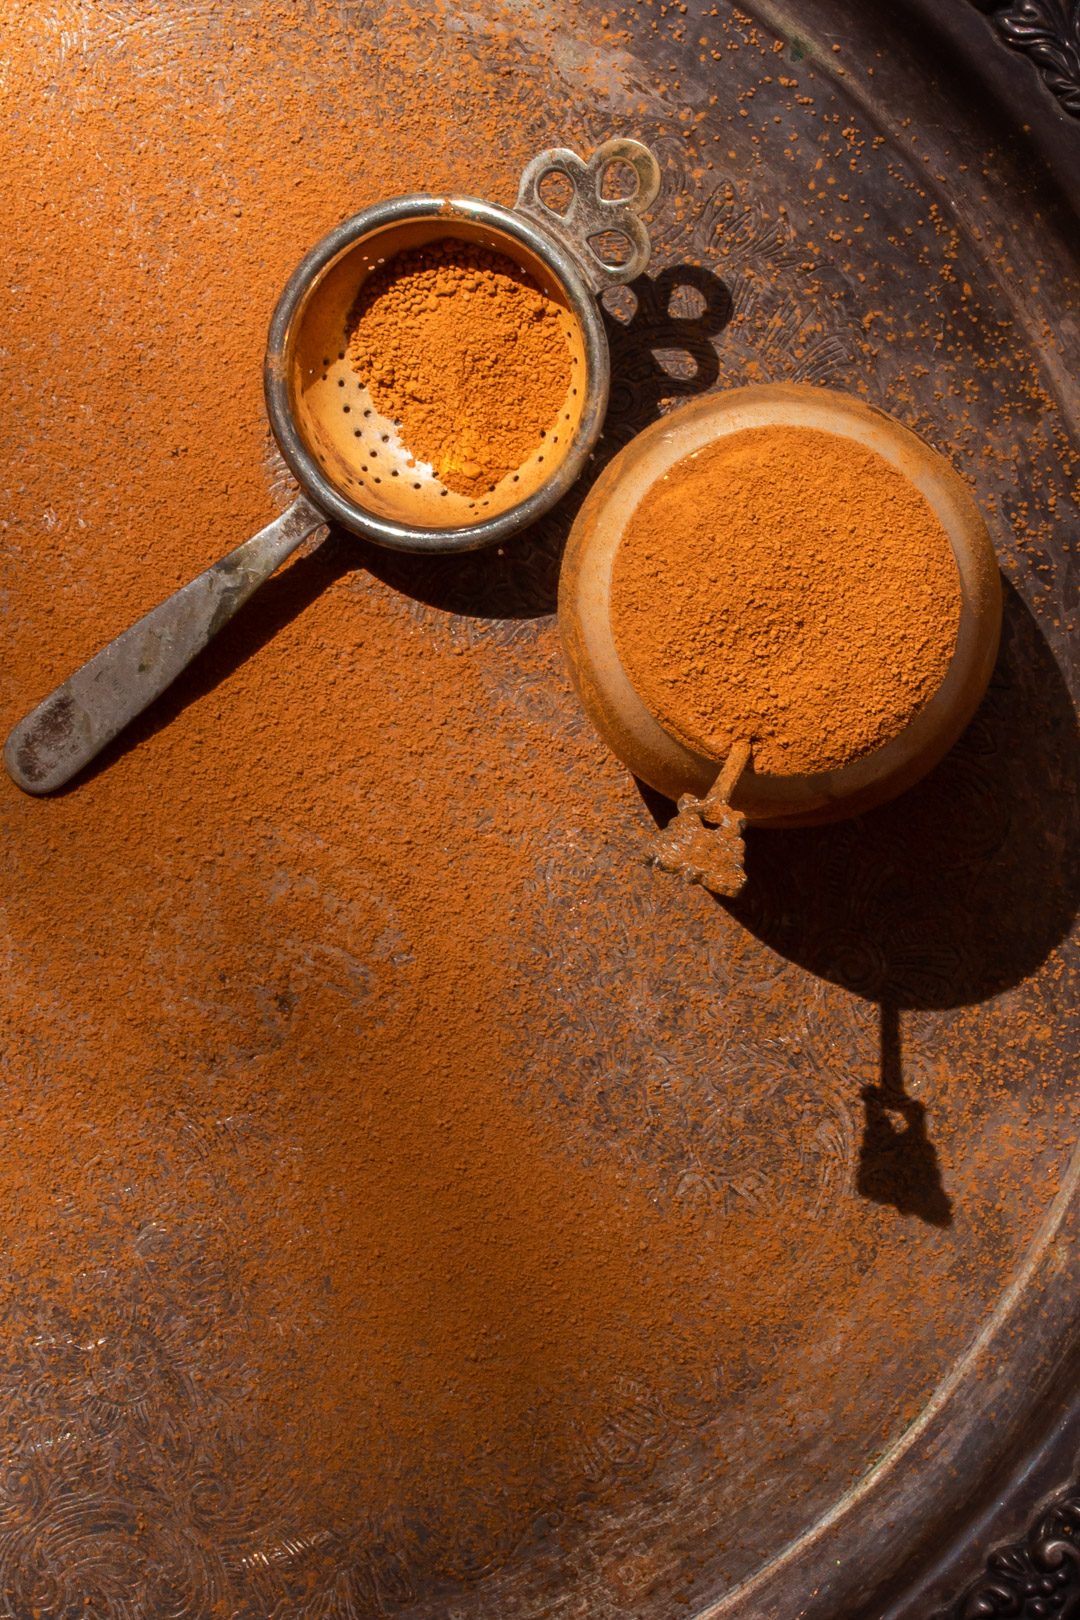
x=361 y=451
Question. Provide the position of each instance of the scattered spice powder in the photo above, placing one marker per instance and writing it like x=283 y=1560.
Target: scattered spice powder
x=461 y=347
x=790 y=588
x=334 y=999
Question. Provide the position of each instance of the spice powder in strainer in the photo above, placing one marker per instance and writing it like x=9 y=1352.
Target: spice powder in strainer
x=461 y=347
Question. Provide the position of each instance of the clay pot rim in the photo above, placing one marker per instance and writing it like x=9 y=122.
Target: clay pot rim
x=652 y=750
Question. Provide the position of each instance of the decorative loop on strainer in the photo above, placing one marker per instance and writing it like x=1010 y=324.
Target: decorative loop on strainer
x=605 y=233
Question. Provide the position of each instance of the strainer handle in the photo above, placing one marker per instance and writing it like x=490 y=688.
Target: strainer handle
x=589 y=215
x=74 y=723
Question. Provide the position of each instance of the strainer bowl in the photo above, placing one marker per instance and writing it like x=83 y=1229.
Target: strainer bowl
x=351 y=460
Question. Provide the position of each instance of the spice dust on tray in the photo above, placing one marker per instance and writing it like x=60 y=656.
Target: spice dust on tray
x=348 y=1056
x=460 y=347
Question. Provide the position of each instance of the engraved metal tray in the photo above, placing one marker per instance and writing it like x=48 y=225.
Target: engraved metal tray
x=929 y=1069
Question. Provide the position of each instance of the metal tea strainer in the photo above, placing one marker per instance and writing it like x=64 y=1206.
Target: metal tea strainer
x=349 y=461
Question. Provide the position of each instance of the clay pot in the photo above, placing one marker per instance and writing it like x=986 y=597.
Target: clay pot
x=615 y=707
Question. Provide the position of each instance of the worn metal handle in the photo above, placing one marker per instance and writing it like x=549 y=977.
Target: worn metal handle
x=75 y=722
x=589 y=215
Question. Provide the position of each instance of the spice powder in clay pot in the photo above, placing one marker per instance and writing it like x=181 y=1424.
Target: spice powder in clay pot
x=460 y=347
x=789 y=588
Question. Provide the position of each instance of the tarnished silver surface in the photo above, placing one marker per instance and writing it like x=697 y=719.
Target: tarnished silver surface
x=133 y=1488
x=1048 y=32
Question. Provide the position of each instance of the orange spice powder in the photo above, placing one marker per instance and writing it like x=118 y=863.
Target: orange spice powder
x=392 y=1172
x=461 y=347
x=789 y=588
